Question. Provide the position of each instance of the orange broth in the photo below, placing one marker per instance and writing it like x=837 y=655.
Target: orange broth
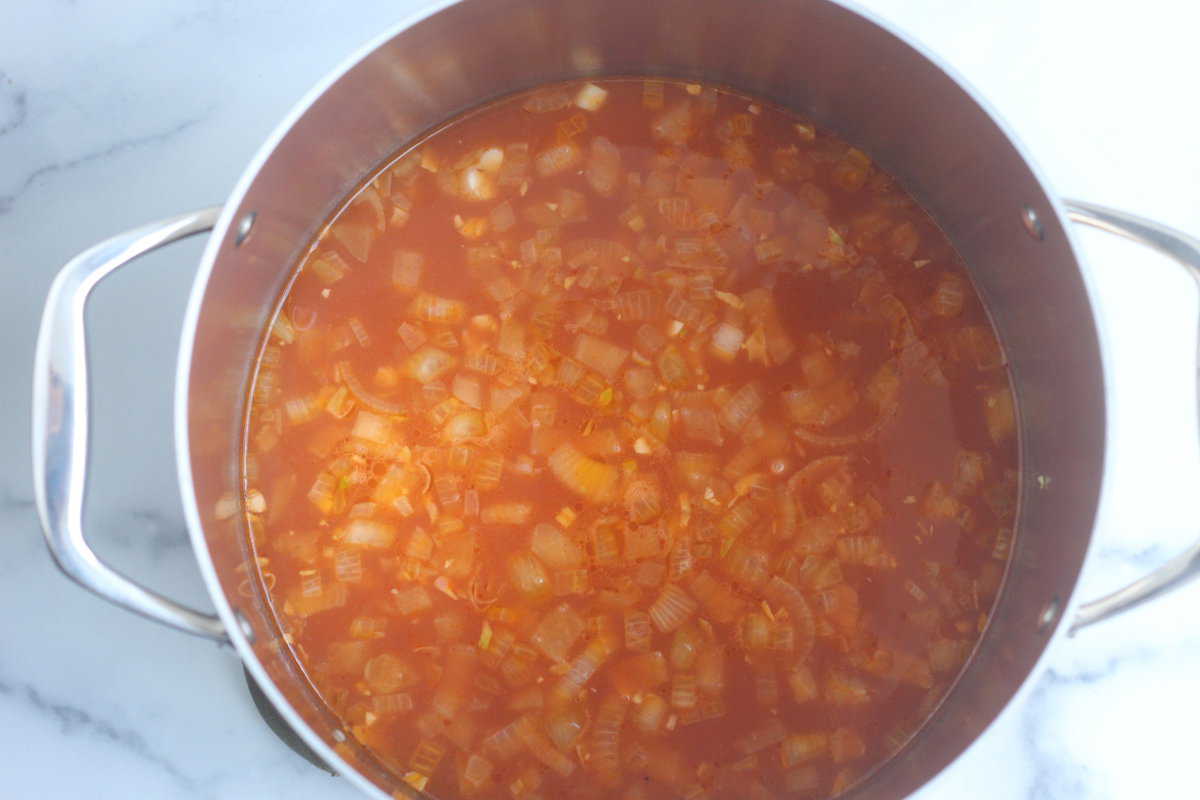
x=632 y=439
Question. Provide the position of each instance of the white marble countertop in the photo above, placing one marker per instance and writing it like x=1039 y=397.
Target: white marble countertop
x=113 y=114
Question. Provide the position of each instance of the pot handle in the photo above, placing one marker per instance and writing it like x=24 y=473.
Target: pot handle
x=1186 y=250
x=60 y=421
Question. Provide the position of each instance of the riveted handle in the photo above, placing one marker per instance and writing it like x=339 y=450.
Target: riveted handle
x=60 y=421
x=1184 y=249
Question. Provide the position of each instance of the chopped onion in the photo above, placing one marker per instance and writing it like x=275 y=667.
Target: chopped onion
x=503 y=744
x=467 y=425
x=743 y=405
x=603 y=170
x=643 y=499
x=726 y=342
x=999 y=414
x=582 y=669
x=368 y=533
x=674 y=125
x=428 y=364
x=684 y=695
x=803 y=748
x=511 y=340
x=650 y=715
x=407 y=267
x=671 y=608
x=591 y=97
x=475 y=774
x=468 y=389
x=388 y=673
x=782 y=593
x=540 y=746
x=432 y=308
x=510 y=513
x=748 y=567
x=637 y=631
x=755 y=632
x=413 y=600
x=592 y=479
x=457 y=678
x=356 y=237
x=558 y=631
x=648 y=340
x=388 y=704
x=557 y=158
x=700 y=422
x=673 y=367
x=426 y=758
x=768 y=734
x=948 y=295
x=547 y=100
x=600 y=355
x=555 y=549
x=843 y=689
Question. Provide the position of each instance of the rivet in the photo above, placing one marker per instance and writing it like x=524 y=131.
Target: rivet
x=1049 y=614
x=244 y=226
x=1032 y=223
x=244 y=624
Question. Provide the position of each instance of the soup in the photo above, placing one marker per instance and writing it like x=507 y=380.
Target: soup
x=631 y=439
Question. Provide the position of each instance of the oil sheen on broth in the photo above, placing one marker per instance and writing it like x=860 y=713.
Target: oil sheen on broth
x=632 y=439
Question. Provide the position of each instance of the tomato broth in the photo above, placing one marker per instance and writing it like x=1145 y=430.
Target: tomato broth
x=632 y=439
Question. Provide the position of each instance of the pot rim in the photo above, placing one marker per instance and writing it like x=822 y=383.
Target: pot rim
x=236 y=628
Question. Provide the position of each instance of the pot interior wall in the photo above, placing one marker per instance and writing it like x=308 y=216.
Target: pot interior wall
x=817 y=57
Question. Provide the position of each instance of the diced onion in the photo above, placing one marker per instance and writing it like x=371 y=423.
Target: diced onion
x=591 y=97
x=592 y=479
x=555 y=549
x=388 y=673
x=557 y=158
x=368 y=533
x=558 y=631
x=671 y=608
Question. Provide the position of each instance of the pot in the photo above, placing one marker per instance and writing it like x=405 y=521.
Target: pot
x=854 y=75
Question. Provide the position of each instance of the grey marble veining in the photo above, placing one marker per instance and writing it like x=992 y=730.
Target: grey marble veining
x=113 y=114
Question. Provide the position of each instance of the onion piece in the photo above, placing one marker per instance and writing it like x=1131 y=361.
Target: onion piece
x=529 y=577
x=671 y=608
x=364 y=396
x=604 y=740
x=999 y=414
x=592 y=479
x=432 y=308
x=368 y=533
x=555 y=549
x=466 y=425
x=388 y=673
x=782 y=593
x=557 y=158
x=726 y=342
x=591 y=97
x=650 y=715
x=357 y=237
x=529 y=731
x=428 y=364
x=585 y=665
x=603 y=170
x=602 y=356
x=674 y=125
x=457 y=679
x=509 y=513
x=558 y=631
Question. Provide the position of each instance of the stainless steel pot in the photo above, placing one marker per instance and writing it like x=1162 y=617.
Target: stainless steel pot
x=852 y=73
